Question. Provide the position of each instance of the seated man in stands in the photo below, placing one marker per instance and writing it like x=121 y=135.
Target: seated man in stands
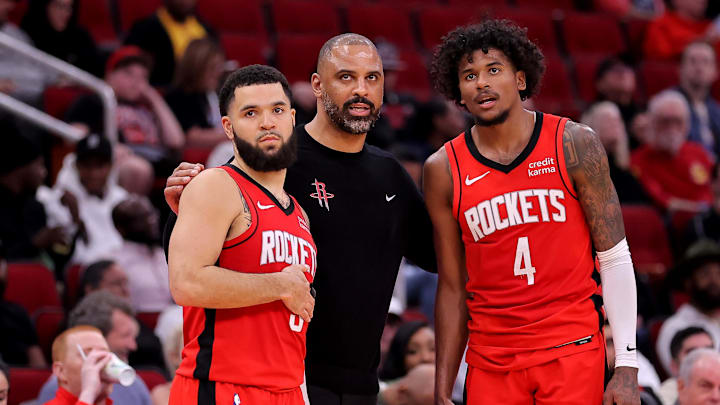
x=80 y=375
x=675 y=172
x=114 y=318
x=699 y=380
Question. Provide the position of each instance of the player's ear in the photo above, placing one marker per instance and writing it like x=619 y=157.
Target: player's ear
x=520 y=79
x=227 y=126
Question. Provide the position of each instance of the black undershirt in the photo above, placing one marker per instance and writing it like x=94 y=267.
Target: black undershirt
x=375 y=216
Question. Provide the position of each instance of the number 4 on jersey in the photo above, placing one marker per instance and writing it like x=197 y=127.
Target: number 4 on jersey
x=522 y=255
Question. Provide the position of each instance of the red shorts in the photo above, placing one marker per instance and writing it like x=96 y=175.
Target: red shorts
x=189 y=391
x=577 y=379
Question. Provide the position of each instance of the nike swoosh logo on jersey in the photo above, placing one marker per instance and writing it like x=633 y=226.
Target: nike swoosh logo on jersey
x=469 y=181
x=389 y=198
x=264 y=207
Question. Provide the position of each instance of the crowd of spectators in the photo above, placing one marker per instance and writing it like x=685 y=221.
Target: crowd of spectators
x=95 y=209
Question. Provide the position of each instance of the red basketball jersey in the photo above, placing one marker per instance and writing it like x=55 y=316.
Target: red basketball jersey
x=528 y=252
x=263 y=345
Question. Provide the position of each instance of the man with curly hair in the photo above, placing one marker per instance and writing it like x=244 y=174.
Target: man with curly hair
x=521 y=203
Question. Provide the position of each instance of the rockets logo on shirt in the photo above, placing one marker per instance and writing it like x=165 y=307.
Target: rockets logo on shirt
x=282 y=246
x=515 y=208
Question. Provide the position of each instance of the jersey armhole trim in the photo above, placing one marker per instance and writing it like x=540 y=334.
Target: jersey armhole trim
x=455 y=176
x=560 y=158
x=254 y=217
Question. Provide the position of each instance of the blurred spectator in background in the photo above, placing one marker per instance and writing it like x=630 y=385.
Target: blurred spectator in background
x=674 y=172
x=304 y=102
x=193 y=95
x=644 y=9
x=432 y=124
x=648 y=379
x=706 y=225
x=52 y=26
x=397 y=106
x=19 y=77
x=699 y=275
x=166 y=34
x=141 y=255
x=79 y=356
x=616 y=81
x=413 y=344
x=698 y=72
x=604 y=117
x=169 y=330
x=23 y=223
x=684 y=22
x=18 y=340
x=699 y=379
x=416 y=388
x=88 y=175
x=145 y=122
x=134 y=173
x=106 y=275
x=684 y=342
x=4 y=382
x=113 y=316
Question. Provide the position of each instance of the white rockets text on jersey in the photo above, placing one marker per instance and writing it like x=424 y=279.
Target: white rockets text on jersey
x=282 y=246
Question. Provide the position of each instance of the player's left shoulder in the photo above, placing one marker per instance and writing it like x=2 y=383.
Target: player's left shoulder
x=584 y=152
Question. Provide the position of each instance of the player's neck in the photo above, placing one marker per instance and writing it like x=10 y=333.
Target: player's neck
x=272 y=181
x=322 y=129
x=507 y=137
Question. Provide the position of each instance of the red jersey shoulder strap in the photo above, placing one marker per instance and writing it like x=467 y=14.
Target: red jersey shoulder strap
x=559 y=123
x=242 y=184
x=453 y=148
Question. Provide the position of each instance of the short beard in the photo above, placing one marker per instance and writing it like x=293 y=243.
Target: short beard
x=344 y=120
x=260 y=161
x=502 y=117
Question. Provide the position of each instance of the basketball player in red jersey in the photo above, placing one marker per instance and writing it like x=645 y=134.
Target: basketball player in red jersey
x=241 y=258
x=521 y=202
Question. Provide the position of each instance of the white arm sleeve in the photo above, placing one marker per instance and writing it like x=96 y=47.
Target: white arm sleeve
x=620 y=298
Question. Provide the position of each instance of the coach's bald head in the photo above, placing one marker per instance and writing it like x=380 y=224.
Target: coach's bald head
x=349 y=83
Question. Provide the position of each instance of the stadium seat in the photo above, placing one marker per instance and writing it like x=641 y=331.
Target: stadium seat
x=318 y=17
x=47 y=325
x=26 y=383
x=556 y=95
x=585 y=69
x=31 y=285
x=196 y=154
x=436 y=21
x=133 y=10
x=232 y=16
x=414 y=79
x=546 y=4
x=382 y=21
x=149 y=318
x=296 y=55
x=635 y=29
x=587 y=33
x=72 y=285
x=245 y=49
x=57 y=99
x=18 y=12
x=648 y=240
x=94 y=15
x=657 y=76
x=151 y=377
x=539 y=24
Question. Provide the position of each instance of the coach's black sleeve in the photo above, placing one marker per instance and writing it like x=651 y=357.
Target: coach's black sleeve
x=419 y=248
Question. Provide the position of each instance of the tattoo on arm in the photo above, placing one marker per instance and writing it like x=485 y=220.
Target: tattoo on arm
x=587 y=165
x=246 y=210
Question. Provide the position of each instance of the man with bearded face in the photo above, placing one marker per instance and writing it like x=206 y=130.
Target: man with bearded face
x=675 y=172
x=241 y=258
x=366 y=214
x=699 y=275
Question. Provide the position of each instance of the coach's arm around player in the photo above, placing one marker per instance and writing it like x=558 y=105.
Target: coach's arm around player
x=587 y=167
x=211 y=210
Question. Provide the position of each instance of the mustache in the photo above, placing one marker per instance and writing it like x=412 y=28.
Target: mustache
x=485 y=93
x=359 y=100
x=271 y=132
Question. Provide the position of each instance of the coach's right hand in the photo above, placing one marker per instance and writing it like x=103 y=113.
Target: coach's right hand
x=296 y=295
x=177 y=181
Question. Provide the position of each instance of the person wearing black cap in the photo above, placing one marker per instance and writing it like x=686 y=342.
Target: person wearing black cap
x=699 y=275
x=87 y=175
x=22 y=218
